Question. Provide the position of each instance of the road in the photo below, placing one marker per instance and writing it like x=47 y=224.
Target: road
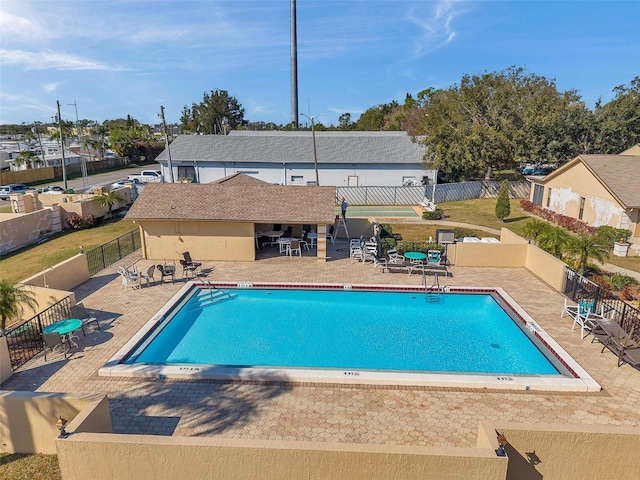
x=102 y=179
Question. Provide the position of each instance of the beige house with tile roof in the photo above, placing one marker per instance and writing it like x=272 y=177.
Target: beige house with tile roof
x=218 y=221
x=597 y=189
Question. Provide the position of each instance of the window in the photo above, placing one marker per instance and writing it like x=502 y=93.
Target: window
x=297 y=179
x=187 y=173
x=408 y=181
x=538 y=191
x=548 y=198
x=249 y=172
x=581 y=208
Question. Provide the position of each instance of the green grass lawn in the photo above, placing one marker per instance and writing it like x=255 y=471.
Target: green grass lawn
x=28 y=261
x=18 y=466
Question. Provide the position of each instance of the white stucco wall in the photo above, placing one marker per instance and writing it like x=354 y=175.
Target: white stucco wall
x=329 y=175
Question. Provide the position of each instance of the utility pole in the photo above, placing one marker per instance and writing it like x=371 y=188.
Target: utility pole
x=64 y=162
x=83 y=164
x=313 y=137
x=294 y=67
x=166 y=144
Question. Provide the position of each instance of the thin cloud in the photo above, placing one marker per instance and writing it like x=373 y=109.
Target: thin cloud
x=437 y=29
x=49 y=60
x=50 y=87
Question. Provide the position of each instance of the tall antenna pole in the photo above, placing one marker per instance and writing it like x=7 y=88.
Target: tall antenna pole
x=64 y=166
x=166 y=144
x=83 y=165
x=294 y=67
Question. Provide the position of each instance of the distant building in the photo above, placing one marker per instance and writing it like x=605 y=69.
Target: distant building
x=287 y=158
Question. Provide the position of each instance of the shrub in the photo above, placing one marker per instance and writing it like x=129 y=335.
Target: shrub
x=386 y=230
x=437 y=214
x=601 y=281
x=626 y=293
x=619 y=281
x=570 y=223
x=609 y=235
x=78 y=222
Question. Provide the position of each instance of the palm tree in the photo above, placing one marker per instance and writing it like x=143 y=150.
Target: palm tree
x=13 y=298
x=109 y=199
x=584 y=247
x=534 y=229
x=554 y=240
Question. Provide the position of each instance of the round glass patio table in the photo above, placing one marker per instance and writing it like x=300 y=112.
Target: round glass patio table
x=415 y=255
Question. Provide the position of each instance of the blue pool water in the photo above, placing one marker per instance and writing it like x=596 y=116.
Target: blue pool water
x=386 y=331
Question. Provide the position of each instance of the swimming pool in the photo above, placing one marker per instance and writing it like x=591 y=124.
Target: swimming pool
x=349 y=334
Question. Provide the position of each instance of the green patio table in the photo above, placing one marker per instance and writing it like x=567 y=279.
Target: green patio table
x=65 y=328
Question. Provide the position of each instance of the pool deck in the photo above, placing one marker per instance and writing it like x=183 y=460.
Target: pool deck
x=421 y=416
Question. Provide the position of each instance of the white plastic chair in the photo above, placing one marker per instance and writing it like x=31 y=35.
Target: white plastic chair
x=294 y=247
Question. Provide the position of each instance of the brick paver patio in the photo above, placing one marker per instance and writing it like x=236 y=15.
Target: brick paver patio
x=316 y=412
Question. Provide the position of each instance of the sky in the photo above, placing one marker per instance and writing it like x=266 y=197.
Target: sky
x=117 y=58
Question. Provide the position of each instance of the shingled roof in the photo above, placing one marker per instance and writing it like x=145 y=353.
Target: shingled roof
x=234 y=203
x=240 y=179
x=620 y=174
x=278 y=147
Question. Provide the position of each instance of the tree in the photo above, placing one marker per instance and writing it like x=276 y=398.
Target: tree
x=218 y=113
x=499 y=119
x=127 y=136
x=345 y=122
x=13 y=298
x=554 y=240
x=503 y=207
x=618 y=122
x=109 y=199
x=534 y=229
x=374 y=118
x=26 y=158
x=584 y=247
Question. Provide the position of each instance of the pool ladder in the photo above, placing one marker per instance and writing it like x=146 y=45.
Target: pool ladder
x=432 y=294
x=209 y=297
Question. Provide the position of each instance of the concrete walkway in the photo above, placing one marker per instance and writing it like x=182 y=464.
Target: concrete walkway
x=352 y=413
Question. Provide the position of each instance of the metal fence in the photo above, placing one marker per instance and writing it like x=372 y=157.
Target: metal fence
x=579 y=288
x=25 y=340
x=443 y=192
x=101 y=257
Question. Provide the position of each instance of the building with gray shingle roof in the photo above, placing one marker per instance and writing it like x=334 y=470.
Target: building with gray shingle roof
x=287 y=158
x=597 y=189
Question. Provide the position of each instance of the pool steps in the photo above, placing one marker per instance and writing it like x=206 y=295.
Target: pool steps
x=208 y=297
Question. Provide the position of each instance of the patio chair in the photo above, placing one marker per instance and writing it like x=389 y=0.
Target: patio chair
x=259 y=236
x=167 y=271
x=294 y=247
x=52 y=340
x=630 y=356
x=380 y=262
x=148 y=275
x=129 y=276
x=188 y=270
x=190 y=261
x=434 y=257
x=620 y=343
x=303 y=240
x=395 y=257
x=330 y=235
x=78 y=311
x=583 y=308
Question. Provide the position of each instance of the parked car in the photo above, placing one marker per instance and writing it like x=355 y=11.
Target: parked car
x=6 y=190
x=123 y=183
x=51 y=189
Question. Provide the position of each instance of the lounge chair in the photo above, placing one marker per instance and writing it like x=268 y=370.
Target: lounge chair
x=428 y=205
x=78 y=311
x=630 y=356
x=52 y=340
x=379 y=262
x=622 y=342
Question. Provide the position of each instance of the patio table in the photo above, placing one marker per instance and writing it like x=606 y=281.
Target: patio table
x=313 y=238
x=65 y=328
x=415 y=257
x=273 y=235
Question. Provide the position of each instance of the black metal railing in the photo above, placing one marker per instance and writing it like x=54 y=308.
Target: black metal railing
x=101 y=257
x=25 y=340
x=579 y=288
